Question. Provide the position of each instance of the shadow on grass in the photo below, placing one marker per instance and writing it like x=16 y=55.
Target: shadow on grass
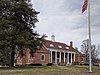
x=20 y=67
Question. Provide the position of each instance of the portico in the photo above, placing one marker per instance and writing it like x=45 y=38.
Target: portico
x=63 y=57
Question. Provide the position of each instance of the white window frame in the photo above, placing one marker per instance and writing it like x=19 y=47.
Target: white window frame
x=32 y=57
x=43 y=56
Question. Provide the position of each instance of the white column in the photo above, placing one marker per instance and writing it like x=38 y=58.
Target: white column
x=67 y=58
x=79 y=58
x=74 y=57
x=51 y=56
x=64 y=57
x=55 y=57
x=71 y=58
x=60 y=57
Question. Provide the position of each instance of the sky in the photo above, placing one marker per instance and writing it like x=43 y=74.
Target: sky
x=64 y=19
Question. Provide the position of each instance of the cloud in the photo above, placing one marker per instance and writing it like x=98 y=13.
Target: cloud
x=64 y=18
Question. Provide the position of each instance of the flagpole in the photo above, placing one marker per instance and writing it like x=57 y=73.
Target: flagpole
x=89 y=32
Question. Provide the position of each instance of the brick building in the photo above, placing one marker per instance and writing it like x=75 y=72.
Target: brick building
x=52 y=52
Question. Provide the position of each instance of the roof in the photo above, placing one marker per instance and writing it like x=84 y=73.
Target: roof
x=58 y=45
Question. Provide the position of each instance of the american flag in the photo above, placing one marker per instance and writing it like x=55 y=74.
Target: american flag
x=85 y=6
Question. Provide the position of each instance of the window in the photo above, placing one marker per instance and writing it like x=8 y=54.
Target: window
x=67 y=47
x=51 y=45
x=32 y=57
x=60 y=46
x=42 y=57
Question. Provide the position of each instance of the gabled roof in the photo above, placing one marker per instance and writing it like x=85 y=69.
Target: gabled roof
x=58 y=45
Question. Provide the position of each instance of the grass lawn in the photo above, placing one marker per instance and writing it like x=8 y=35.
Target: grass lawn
x=50 y=70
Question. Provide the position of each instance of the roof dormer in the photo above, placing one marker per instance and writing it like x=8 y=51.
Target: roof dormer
x=51 y=45
x=60 y=46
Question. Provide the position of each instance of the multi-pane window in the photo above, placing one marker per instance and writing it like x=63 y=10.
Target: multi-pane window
x=42 y=57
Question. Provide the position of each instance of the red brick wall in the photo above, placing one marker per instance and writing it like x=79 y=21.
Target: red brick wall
x=80 y=58
x=37 y=57
x=27 y=59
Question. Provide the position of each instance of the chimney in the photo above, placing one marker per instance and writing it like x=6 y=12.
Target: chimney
x=53 y=38
x=71 y=44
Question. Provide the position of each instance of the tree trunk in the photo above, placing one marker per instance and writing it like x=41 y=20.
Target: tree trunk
x=12 y=59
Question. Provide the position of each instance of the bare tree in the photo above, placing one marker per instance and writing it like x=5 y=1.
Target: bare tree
x=94 y=51
x=98 y=51
x=84 y=49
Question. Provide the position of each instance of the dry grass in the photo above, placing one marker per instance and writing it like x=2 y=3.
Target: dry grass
x=50 y=70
